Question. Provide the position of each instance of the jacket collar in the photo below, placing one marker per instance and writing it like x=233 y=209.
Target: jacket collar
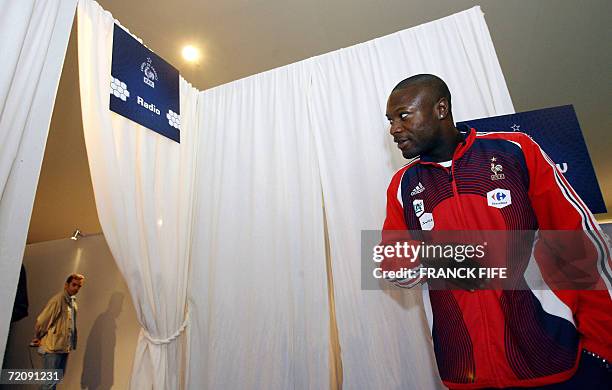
x=67 y=298
x=468 y=134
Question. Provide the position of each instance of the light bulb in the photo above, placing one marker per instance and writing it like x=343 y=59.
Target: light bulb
x=190 y=53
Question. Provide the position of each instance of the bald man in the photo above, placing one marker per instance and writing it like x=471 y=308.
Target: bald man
x=464 y=180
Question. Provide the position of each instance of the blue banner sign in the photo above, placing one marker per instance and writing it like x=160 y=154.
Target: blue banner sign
x=144 y=88
x=557 y=131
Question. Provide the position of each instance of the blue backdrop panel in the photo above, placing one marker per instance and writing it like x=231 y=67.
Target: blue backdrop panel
x=144 y=87
x=558 y=132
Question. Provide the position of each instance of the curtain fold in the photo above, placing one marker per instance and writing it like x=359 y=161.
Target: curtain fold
x=144 y=191
x=258 y=284
x=33 y=37
x=383 y=334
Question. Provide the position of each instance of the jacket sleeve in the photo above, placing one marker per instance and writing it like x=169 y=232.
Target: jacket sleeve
x=571 y=244
x=46 y=318
x=396 y=231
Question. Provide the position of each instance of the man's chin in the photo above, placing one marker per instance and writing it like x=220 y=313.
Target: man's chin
x=409 y=154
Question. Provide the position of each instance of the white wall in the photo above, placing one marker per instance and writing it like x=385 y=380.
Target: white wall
x=107 y=327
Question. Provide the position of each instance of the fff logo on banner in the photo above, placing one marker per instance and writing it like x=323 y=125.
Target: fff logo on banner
x=144 y=88
x=558 y=132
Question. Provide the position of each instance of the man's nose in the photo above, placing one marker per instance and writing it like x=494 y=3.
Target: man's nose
x=395 y=128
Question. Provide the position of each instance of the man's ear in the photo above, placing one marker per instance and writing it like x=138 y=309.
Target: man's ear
x=442 y=110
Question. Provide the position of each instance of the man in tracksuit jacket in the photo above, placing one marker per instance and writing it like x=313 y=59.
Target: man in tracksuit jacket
x=494 y=338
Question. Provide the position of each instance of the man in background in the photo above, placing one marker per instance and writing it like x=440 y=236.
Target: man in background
x=55 y=329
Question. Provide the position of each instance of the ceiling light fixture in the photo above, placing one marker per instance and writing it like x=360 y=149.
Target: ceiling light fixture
x=191 y=53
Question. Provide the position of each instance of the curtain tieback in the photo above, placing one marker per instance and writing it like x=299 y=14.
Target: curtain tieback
x=172 y=337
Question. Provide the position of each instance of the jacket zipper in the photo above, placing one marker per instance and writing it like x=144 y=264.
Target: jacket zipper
x=478 y=297
x=453 y=182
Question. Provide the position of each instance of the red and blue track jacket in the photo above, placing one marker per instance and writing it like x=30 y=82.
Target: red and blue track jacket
x=500 y=338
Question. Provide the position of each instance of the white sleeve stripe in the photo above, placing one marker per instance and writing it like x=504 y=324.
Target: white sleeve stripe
x=481 y=133
x=594 y=234
x=591 y=228
x=408 y=284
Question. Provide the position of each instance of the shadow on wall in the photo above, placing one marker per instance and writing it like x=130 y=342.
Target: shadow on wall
x=107 y=326
x=99 y=359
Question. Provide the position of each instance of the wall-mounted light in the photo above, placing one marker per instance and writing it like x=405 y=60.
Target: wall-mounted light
x=76 y=235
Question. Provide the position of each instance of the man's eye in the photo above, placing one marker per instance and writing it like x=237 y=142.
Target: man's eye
x=403 y=115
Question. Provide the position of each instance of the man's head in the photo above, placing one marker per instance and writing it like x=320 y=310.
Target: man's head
x=419 y=110
x=73 y=284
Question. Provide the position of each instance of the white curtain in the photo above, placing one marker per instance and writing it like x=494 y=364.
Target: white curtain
x=144 y=186
x=272 y=150
x=33 y=37
x=261 y=318
x=384 y=338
